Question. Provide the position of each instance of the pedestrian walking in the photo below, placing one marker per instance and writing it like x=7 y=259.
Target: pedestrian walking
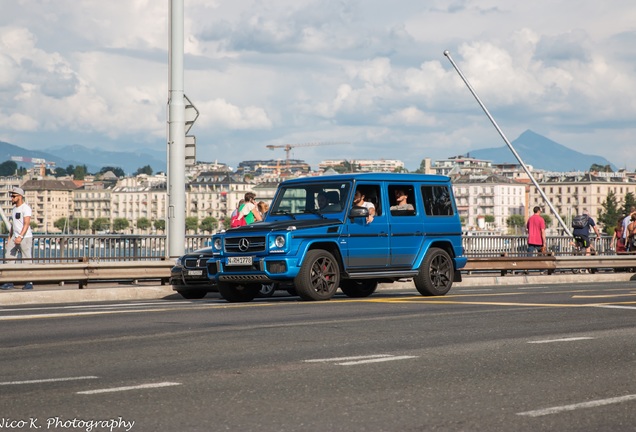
x=536 y=232
x=20 y=242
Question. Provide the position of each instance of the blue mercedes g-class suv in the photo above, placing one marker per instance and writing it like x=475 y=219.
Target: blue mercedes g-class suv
x=316 y=237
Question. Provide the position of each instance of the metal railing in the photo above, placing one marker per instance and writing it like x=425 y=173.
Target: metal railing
x=51 y=248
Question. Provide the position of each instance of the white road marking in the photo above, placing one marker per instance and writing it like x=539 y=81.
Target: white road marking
x=48 y=380
x=615 y=307
x=376 y=360
x=590 y=404
x=560 y=340
x=127 y=388
x=348 y=361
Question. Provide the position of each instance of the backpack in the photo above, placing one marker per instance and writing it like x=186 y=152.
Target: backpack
x=238 y=220
x=580 y=221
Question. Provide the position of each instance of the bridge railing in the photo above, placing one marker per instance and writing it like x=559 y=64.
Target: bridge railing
x=51 y=248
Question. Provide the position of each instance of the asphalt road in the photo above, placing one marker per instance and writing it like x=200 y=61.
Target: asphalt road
x=530 y=358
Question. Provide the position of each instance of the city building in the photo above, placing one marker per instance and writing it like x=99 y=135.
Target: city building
x=461 y=165
x=50 y=200
x=571 y=193
x=364 y=165
x=485 y=202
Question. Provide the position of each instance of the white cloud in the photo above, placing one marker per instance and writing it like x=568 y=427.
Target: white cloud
x=371 y=73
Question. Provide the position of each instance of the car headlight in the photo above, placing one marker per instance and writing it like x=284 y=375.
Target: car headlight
x=279 y=242
x=177 y=262
x=218 y=244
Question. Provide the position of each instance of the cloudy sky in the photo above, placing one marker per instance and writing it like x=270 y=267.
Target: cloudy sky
x=370 y=73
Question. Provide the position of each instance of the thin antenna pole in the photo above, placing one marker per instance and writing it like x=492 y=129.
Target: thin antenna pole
x=512 y=149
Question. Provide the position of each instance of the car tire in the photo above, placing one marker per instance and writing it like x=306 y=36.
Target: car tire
x=193 y=294
x=319 y=276
x=358 y=288
x=234 y=293
x=267 y=290
x=435 y=276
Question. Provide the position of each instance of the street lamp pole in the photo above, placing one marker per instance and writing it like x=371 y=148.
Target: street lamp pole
x=176 y=134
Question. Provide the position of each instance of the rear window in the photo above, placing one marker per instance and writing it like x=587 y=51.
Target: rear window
x=437 y=201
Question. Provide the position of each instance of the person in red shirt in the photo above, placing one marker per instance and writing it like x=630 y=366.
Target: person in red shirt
x=536 y=232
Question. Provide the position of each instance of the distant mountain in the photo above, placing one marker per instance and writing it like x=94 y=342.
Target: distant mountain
x=94 y=159
x=541 y=153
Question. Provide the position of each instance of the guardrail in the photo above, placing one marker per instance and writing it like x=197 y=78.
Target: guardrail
x=85 y=272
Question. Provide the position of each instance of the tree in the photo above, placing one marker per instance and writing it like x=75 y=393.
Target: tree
x=144 y=170
x=59 y=172
x=33 y=225
x=209 y=224
x=547 y=219
x=160 y=225
x=101 y=224
x=489 y=218
x=78 y=172
x=120 y=224
x=630 y=201
x=227 y=222
x=515 y=222
x=61 y=224
x=8 y=168
x=191 y=223
x=143 y=223
x=610 y=212
x=79 y=224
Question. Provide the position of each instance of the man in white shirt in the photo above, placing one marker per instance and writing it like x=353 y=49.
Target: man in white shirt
x=358 y=200
x=20 y=242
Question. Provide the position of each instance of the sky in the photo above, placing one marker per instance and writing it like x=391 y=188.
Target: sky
x=368 y=74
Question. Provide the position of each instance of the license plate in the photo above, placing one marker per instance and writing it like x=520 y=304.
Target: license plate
x=195 y=272
x=239 y=261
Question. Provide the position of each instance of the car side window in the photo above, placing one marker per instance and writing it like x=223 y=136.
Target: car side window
x=402 y=200
x=437 y=201
x=372 y=194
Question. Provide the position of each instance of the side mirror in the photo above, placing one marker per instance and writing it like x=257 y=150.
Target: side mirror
x=358 y=212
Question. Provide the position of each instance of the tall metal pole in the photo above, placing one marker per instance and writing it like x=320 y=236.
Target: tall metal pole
x=512 y=149
x=176 y=134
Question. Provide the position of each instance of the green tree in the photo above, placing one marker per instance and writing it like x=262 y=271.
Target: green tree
x=8 y=168
x=143 y=223
x=547 y=219
x=79 y=224
x=59 y=172
x=610 y=212
x=100 y=224
x=191 y=223
x=515 y=222
x=61 y=224
x=630 y=201
x=227 y=221
x=33 y=225
x=209 y=224
x=144 y=170
x=160 y=225
x=489 y=218
x=120 y=224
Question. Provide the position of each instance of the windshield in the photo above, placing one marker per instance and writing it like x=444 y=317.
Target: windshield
x=311 y=198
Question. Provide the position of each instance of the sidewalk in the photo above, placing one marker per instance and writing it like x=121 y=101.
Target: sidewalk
x=114 y=291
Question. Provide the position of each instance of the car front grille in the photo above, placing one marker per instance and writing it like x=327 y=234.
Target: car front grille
x=195 y=262
x=245 y=244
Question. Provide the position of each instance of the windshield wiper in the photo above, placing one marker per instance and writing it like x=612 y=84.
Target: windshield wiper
x=316 y=212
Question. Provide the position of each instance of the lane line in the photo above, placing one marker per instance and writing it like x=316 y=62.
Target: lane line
x=615 y=307
x=337 y=359
x=572 y=339
x=128 y=388
x=376 y=360
x=48 y=380
x=590 y=404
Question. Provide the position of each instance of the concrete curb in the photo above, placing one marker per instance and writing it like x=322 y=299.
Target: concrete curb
x=59 y=295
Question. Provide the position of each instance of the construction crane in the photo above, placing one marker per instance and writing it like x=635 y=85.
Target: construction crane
x=42 y=163
x=288 y=147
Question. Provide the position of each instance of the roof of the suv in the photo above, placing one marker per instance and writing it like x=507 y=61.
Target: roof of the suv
x=392 y=177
